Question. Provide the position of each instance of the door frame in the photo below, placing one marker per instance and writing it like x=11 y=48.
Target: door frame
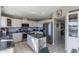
x=54 y=28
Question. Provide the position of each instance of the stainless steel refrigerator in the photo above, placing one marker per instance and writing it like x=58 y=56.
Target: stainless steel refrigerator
x=48 y=32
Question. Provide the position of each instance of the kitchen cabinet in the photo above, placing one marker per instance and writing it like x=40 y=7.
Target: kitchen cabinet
x=31 y=23
x=17 y=37
x=5 y=22
x=10 y=22
x=36 y=43
x=16 y=23
x=33 y=43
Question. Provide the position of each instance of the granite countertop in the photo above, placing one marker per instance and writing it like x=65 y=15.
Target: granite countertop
x=37 y=35
x=6 y=37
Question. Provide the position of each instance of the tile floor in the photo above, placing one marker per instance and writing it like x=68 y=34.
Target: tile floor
x=22 y=47
x=58 y=47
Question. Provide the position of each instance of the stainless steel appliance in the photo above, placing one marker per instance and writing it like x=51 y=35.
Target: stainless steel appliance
x=48 y=32
x=24 y=36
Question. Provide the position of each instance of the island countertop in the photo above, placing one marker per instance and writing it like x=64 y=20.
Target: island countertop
x=36 y=35
x=36 y=41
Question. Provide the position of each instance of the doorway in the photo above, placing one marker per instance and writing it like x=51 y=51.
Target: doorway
x=59 y=35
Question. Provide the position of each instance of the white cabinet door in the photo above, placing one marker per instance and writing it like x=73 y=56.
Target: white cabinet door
x=33 y=43
x=13 y=23
x=16 y=23
x=17 y=37
x=3 y=21
x=30 y=41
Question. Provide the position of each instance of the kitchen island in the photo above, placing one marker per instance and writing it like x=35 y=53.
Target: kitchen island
x=36 y=41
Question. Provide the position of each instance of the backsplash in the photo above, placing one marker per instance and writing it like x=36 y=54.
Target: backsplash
x=9 y=30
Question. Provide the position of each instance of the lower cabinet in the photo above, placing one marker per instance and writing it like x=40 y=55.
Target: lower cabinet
x=36 y=43
x=9 y=50
x=33 y=43
x=17 y=37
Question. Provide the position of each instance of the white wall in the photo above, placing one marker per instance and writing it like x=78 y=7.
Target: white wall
x=65 y=10
x=56 y=30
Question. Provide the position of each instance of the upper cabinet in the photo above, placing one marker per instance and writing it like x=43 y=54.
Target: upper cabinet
x=10 y=22
x=5 y=22
x=31 y=23
x=16 y=22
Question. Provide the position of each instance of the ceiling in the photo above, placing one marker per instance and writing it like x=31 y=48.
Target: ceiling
x=30 y=12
